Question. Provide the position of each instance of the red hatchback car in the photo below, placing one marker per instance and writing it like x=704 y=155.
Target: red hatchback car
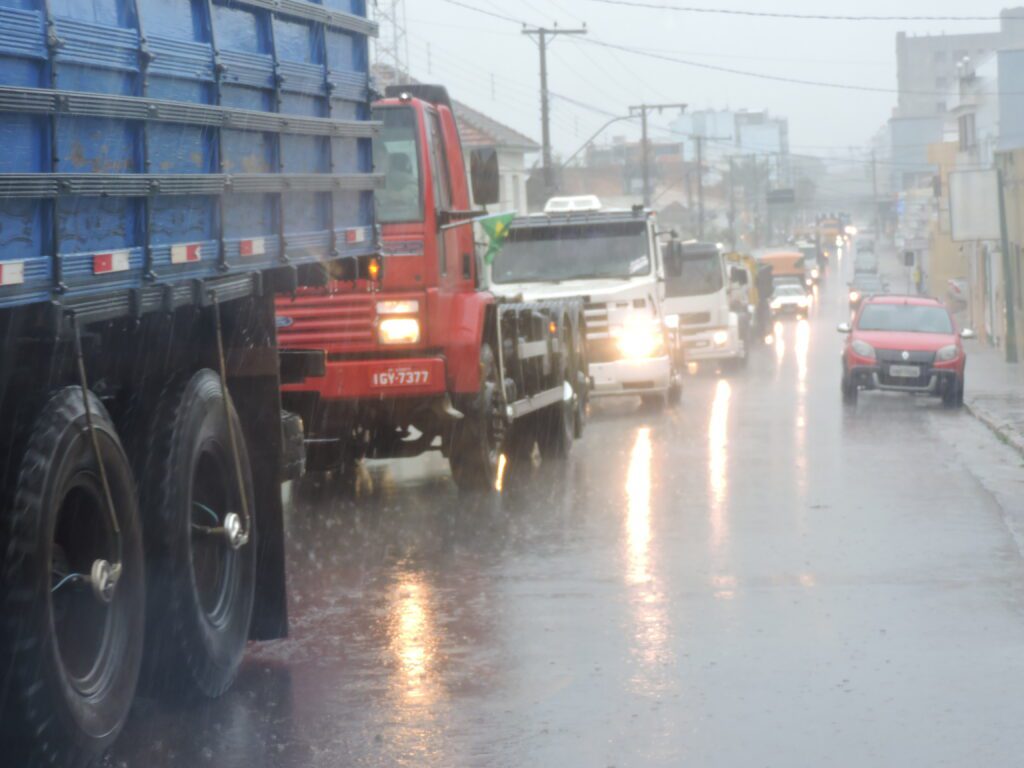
x=904 y=344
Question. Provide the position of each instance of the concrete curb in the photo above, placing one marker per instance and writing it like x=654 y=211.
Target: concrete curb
x=1004 y=432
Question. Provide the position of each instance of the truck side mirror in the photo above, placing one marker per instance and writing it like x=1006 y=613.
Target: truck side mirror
x=672 y=254
x=485 y=176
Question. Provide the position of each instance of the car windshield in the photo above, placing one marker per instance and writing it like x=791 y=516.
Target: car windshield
x=789 y=290
x=906 y=318
x=589 y=251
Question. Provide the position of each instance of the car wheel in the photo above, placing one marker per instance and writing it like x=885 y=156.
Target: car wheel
x=953 y=397
x=849 y=390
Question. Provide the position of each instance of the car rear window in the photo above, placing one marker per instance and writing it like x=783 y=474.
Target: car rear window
x=909 y=318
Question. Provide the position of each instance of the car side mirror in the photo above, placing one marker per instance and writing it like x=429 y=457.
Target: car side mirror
x=968 y=335
x=844 y=328
x=485 y=176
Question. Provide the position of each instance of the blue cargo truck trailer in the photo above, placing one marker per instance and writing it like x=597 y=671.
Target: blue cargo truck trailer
x=166 y=167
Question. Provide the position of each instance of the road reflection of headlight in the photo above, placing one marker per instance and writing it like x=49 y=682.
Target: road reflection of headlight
x=639 y=339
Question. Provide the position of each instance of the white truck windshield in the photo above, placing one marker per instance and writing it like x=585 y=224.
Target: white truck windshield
x=586 y=251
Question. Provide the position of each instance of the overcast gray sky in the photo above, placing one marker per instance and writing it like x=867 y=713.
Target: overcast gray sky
x=491 y=66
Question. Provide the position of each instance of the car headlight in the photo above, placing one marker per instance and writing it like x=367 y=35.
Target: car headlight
x=854 y=296
x=815 y=273
x=947 y=354
x=720 y=338
x=399 y=330
x=400 y=307
x=639 y=338
x=803 y=301
x=776 y=305
x=863 y=349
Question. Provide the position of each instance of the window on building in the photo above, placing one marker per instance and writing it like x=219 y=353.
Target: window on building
x=968 y=132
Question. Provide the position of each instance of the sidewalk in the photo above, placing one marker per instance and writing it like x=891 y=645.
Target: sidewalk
x=995 y=393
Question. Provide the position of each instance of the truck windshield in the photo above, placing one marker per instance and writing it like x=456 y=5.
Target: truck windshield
x=695 y=274
x=573 y=252
x=396 y=155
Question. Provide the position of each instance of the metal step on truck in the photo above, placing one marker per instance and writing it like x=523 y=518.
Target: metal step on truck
x=168 y=165
x=411 y=353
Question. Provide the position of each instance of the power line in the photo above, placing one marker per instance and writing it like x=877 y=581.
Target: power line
x=492 y=14
x=794 y=16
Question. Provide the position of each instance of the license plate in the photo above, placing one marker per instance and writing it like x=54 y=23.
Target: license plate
x=399 y=377
x=905 y=371
x=700 y=344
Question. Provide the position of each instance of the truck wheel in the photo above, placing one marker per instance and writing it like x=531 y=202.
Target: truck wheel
x=582 y=383
x=558 y=422
x=201 y=588
x=478 y=439
x=72 y=654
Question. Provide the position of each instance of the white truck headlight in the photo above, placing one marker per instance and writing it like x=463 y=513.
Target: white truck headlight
x=399 y=330
x=721 y=338
x=639 y=339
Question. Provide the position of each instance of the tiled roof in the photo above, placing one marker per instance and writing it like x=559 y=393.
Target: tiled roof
x=476 y=128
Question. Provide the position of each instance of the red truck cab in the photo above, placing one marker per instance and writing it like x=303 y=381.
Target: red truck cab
x=387 y=341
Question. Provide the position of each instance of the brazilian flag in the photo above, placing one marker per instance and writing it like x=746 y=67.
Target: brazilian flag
x=497 y=229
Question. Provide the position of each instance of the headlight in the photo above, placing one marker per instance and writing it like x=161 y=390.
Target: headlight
x=854 y=296
x=721 y=338
x=399 y=330
x=776 y=305
x=863 y=349
x=947 y=354
x=803 y=301
x=815 y=273
x=639 y=338
x=406 y=307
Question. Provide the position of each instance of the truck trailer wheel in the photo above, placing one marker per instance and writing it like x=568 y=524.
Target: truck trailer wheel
x=478 y=439
x=558 y=423
x=201 y=584
x=73 y=628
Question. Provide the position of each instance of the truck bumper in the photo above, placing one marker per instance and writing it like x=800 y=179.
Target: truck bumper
x=377 y=379
x=701 y=346
x=630 y=377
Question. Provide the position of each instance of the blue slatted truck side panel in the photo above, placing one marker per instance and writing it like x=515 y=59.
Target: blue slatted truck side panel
x=144 y=157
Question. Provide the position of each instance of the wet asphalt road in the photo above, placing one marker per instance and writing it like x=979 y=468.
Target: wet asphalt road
x=758 y=578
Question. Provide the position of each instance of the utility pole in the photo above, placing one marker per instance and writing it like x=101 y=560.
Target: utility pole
x=545 y=36
x=642 y=111
x=392 y=47
x=1008 y=282
x=874 y=192
x=732 y=202
x=700 y=187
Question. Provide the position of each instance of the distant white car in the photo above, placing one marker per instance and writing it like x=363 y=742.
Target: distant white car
x=790 y=300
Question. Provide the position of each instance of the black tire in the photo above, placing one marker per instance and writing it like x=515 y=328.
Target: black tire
x=558 y=422
x=954 y=397
x=675 y=390
x=655 y=402
x=71 y=660
x=478 y=439
x=849 y=391
x=201 y=590
x=582 y=381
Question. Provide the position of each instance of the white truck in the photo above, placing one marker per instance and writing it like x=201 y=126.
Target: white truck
x=610 y=258
x=705 y=298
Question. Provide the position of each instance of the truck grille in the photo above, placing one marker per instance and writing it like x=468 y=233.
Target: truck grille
x=597 y=320
x=322 y=321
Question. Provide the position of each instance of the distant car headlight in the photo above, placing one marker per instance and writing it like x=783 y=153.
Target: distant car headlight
x=863 y=349
x=947 y=354
x=639 y=338
x=854 y=296
x=803 y=302
x=815 y=273
x=776 y=304
x=720 y=338
x=399 y=330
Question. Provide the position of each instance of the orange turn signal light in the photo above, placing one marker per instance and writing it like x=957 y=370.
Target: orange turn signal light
x=373 y=270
